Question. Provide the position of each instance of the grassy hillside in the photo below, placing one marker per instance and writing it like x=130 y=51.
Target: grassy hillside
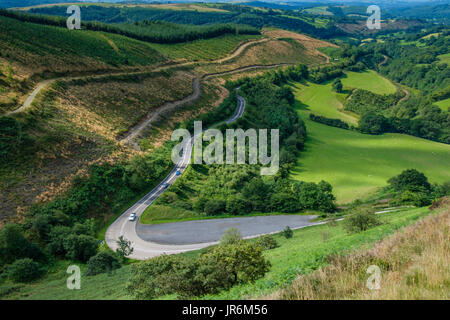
x=117 y=103
x=319 y=11
x=46 y=49
x=72 y=125
x=443 y=104
x=281 y=47
x=31 y=52
x=445 y=58
x=321 y=100
x=356 y=164
x=203 y=49
x=414 y=264
x=368 y=80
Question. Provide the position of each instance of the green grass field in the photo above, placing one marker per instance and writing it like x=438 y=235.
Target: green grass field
x=368 y=80
x=305 y=252
x=354 y=163
x=445 y=58
x=204 y=49
x=332 y=52
x=318 y=22
x=321 y=100
x=415 y=43
x=319 y=11
x=443 y=104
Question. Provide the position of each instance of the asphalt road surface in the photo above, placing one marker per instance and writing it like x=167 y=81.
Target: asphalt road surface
x=208 y=231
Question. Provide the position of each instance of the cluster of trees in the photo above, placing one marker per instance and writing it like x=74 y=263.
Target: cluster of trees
x=416 y=116
x=338 y=123
x=229 y=264
x=363 y=101
x=240 y=189
x=146 y=30
x=277 y=77
x=165 y=32
x=325 y=73
x=61 y=228
x=20 y=259
x=337 y=86
x=12 y=138
x=415 y=66
x=241 y=195
x=235 y=14
x=412 y=187
x=425 y=127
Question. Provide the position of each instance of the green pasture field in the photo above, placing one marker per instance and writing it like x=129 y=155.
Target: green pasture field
x=443 y=104
x=368 y=80
x=357 y=164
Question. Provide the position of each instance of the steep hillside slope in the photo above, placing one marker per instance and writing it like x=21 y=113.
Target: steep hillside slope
x=31 y=52
x=414 y=264
x=74 y=124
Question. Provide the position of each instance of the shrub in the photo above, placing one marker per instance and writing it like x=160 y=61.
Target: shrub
x=124 y=248
x=267 y=242
x=13 y=245
x=362 y=220
x=218 y=269
x=287 y=232
x=182 y=204
x=215 y=207
x=149 y=279
x=338 y=123
x=102 y=262
x=411 y=180
x=80 y=247
x=418 y=199
x=243 y=261
x=337 y=85
x=25 y=270
x=168 y=197
x=373 y=123
x=57 y=236
x=315 y=196
x=232 y=235
x=42 y=224
x=199 y=204
x=238 y=205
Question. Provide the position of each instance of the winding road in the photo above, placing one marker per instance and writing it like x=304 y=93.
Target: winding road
x=153 y=240
x=30 y=98
x=171 y=238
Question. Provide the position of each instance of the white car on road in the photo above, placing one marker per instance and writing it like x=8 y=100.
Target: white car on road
x=132 y=217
